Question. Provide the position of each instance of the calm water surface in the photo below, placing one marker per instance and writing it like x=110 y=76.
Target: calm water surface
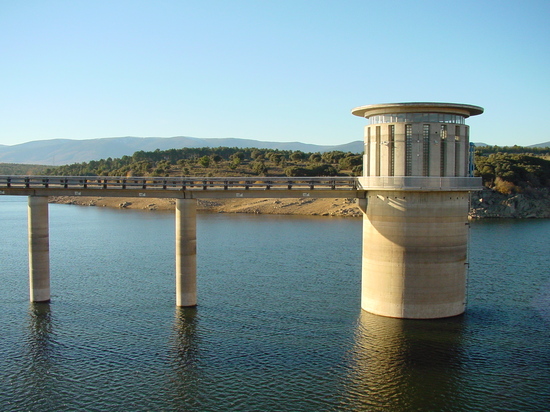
x=278 y=326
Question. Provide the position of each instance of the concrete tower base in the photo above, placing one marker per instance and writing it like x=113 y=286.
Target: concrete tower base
x=415 y=254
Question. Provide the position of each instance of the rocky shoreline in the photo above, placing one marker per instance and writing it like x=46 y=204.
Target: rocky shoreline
x=485 y=204
x=528 y=205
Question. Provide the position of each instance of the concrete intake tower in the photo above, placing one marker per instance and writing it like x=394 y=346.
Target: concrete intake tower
x=417 y=171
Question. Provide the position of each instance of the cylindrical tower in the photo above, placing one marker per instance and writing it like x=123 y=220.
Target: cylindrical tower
x=416 y=170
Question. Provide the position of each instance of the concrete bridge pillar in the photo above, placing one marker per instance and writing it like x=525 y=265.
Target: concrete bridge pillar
x=39 y=249
x=186 y=252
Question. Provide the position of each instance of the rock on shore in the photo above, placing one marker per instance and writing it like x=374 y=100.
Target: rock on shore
x=530 y=204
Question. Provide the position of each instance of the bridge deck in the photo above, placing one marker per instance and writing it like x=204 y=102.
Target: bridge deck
x=226 y=187
x=179 y=187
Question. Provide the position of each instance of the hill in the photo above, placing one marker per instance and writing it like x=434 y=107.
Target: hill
x=67 y=151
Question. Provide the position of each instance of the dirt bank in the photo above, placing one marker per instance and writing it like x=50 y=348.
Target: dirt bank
x=485 y=204
x=301 y=206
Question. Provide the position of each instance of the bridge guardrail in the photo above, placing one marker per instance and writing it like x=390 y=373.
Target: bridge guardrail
x=178 y=183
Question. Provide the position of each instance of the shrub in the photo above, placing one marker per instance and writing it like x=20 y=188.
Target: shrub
x=204 y=161
x=259 y=168
x=321 y=170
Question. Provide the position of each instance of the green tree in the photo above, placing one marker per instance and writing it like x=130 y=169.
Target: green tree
x=235 y=162
x=297 y=156
x=257 y=154
x=315 y=158
x=259 y=168
x=237 y=155
x=204 y=161
x=349 y=161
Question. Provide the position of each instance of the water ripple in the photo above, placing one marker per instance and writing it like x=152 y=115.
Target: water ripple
x=278 y=326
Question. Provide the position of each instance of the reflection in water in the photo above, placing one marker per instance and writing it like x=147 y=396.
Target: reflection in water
x=40 y=330
x=541 y=302
x=404 y=365
x=40 y=360
x=185 y=382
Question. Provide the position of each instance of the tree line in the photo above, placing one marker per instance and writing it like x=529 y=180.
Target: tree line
x=513 y=172
x=218 y=161
x=513 y=169
x=535 y=151
x=508 y=169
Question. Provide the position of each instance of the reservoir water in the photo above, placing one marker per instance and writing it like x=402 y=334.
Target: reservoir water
x=278 y=326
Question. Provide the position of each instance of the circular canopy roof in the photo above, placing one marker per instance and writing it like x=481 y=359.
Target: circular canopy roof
x=465 y=110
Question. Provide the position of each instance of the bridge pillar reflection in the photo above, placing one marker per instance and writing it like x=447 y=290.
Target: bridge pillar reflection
x=39 y=249
x=186 y=252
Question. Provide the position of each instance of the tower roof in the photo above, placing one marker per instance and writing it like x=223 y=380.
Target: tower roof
x=465 y=110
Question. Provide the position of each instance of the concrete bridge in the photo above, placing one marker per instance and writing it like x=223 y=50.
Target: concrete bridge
x=184 y=190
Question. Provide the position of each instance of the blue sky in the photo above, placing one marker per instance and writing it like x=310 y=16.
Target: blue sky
x=267 y=70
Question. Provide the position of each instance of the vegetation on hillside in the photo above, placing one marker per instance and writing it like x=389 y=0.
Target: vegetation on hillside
x=535 y=151
x=509 y=169
x=21 y=169
x=513 y=169
x=219 y=161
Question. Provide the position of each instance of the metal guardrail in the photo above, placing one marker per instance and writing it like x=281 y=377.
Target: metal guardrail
x=237 y=184
x=177 y=183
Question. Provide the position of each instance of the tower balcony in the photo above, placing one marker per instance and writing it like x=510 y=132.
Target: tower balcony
x=420 y=183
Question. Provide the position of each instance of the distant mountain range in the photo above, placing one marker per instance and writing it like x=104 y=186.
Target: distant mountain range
x=66 y=151
x=546 y=144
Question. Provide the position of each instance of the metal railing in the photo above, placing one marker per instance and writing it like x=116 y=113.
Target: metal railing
x=217 y=184
x=178 y=183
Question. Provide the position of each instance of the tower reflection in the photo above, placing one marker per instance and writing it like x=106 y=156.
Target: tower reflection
x=404 y=365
